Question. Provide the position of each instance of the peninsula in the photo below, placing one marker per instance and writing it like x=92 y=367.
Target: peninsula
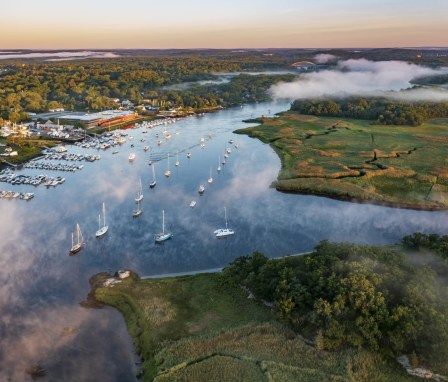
x=352 y=159
x=341 y=313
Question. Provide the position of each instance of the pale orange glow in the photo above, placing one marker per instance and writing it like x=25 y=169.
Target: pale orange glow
x=322 y=23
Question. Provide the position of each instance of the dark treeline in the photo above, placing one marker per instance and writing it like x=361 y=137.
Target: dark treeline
x=432 y=242
x=380 y=110
x=360 y=296
x=433 y=80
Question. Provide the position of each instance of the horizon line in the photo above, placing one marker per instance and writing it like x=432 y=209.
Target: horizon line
x=235 y=49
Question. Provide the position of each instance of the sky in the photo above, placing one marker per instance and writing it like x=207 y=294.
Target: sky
x=233 y=24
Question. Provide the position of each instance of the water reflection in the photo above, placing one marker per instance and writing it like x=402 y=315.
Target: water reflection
x=41 y=286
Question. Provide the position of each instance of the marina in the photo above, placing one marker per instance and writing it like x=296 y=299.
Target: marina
x=16 y=195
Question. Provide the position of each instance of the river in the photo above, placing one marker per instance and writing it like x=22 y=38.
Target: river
x=41 y=321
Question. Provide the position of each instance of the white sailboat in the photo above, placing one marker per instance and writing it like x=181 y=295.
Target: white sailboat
x=210 y=180
x=102 y=230
x=131 y=157
x=139 y=196
x=188 y=155
x=177 y=159
x=219 y=164
x=137 y=212
x=162 y=236
x=77 y=246
x=201 y=189
x=153 y=183
x=223 y=232
x=168 y=172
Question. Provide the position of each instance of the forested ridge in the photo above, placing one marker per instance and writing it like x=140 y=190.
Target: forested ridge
x=343 y=294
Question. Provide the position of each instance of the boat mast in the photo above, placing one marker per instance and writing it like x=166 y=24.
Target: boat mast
x=72 y=240
x=163 y=222
x=153 y=173
x=104 y=215
x=80 y=234
x=99 y=222
x=225 y=215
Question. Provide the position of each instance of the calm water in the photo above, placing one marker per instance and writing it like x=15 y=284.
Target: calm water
x=41 y=286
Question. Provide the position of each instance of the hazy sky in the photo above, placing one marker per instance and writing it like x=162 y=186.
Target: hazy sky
x=56 y=24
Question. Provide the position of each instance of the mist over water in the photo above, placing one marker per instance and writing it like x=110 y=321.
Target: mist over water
x=41 y=286
x=57 y=55
x=364 y=78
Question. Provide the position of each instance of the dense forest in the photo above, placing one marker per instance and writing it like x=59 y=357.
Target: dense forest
x=36 y=85
x=342 y=294
x=379 y=110
x=96 y=84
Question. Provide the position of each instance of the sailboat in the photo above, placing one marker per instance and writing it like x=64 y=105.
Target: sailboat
x=168 y=172
x=162 y=236
x=210 y=180
x=219 y=164
x=188 y=155
x=138 y=211
x=153 y=183
x=139 y=196
x=76 y=247
x=223 y=232
x=201 y=189
x=177 y=159
x=102 y=230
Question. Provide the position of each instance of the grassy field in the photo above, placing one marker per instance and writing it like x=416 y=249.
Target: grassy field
x=401 y=166
x=27 y=149
x=197 y=329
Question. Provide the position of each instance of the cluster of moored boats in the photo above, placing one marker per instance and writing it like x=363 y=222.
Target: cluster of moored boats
x=53 y=167
x=155 y=123
x=8 y=176
x=103 y=142
x=72 y=157
x=16 y=195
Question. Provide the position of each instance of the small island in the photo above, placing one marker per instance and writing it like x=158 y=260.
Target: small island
x=358 y=160
x=341 y=313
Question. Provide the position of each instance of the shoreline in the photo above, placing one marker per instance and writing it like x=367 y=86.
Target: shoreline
x=347 y=198
x=162 y=276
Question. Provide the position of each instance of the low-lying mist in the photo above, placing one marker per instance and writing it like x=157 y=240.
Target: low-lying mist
x=361 y=77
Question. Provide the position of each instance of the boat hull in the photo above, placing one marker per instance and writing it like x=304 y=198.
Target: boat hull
x=102 y=231
x=223 y=232
x=76 y=248
x=161 y=237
